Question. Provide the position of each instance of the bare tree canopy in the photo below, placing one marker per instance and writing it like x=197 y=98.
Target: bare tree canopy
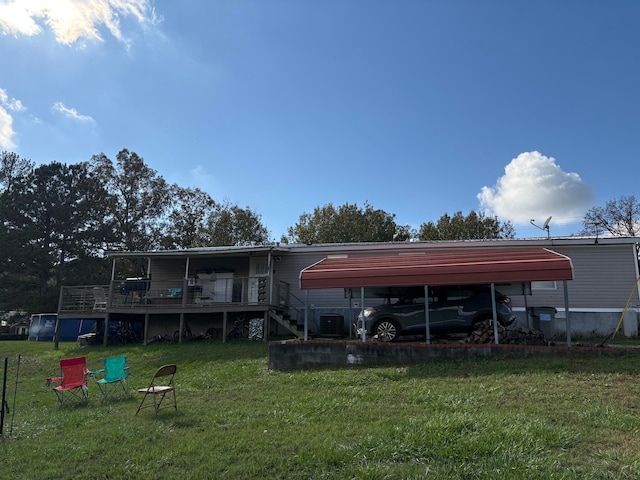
x=619 y=217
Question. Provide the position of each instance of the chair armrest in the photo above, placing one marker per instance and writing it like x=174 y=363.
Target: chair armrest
x=93 y=373
x=51 y=380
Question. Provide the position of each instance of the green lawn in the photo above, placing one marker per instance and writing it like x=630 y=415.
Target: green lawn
x=498 y=418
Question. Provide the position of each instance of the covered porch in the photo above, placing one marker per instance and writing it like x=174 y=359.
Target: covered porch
x=218 y=284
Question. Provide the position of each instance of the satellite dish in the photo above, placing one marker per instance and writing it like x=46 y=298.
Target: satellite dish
x=545 y=226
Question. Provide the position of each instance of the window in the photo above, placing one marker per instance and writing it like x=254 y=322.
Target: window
x=548 y=285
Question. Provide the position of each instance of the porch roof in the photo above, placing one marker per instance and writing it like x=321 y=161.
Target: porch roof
x=470 y=267
x=198 y=252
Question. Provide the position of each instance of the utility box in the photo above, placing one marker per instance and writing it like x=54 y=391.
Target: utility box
x=331 y=325
x=544 y=319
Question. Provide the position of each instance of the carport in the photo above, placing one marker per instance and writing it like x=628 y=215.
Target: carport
x=488 y=267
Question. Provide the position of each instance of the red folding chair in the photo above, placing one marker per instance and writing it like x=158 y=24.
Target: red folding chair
x=72 y=381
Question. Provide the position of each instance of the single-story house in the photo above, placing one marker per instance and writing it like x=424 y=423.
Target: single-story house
x=209 y=289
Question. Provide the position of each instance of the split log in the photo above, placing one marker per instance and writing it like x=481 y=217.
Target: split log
x=483 y=334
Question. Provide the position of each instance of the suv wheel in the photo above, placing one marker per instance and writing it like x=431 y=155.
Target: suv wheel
x=386 y=331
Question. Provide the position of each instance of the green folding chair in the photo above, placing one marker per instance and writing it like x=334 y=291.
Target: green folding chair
x=113 y=382
x=71 y=385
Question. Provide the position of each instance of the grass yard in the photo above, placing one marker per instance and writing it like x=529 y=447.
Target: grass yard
x=499 y=418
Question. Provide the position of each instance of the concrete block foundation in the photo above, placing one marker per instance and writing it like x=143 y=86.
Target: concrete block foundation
x=299 y=355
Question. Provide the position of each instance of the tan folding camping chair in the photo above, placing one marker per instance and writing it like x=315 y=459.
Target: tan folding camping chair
x=161 y=384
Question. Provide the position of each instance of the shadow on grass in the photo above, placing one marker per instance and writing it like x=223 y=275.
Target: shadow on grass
x=197 y=351
x=578 y=363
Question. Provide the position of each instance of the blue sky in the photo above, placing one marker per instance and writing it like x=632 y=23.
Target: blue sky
x=522 y=109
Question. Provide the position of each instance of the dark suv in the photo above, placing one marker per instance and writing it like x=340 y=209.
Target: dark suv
x=452 y=309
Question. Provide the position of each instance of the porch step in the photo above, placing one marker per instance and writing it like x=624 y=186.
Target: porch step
x=291 y=325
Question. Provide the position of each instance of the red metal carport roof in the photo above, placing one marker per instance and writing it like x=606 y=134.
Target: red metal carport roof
x=470 y=267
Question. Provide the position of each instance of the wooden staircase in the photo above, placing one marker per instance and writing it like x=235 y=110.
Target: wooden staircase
x=288 y=323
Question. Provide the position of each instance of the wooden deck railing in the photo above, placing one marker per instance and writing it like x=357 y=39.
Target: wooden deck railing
x=151 y=294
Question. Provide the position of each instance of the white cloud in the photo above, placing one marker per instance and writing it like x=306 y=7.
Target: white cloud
x=71 y=113
x=7 y=105
x=10 y=103
x=6 y=129
x=16 y=19
x=534 y=187
x=72 y=20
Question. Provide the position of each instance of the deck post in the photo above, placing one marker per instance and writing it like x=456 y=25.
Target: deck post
x=180 y=328
x=267 y=318
x=105 y=333
x=185 y=283
x=224 y=326
x=111 y=284
x=146 y=328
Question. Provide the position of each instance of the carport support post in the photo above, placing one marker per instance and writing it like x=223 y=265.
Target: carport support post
x=306 y=315
x=566 y=313
x=426 y=313
x=495 y=316
x=526 y=306
x=364 y=323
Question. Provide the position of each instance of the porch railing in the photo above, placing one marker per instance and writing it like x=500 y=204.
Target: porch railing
x=81 y=299
x=145 y=293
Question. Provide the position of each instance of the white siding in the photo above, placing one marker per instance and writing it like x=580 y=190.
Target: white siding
x=603 y=279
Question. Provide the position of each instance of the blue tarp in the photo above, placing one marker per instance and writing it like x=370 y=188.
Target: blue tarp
x=43 y=327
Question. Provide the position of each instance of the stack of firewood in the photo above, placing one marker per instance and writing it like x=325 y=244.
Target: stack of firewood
x=483 y=333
